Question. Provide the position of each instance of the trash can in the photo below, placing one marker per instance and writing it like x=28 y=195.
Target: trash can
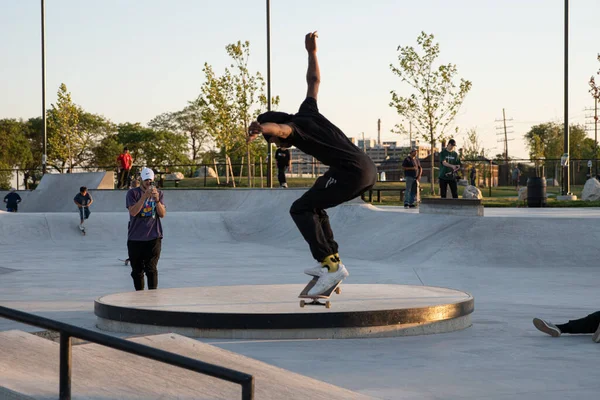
x=536 y=192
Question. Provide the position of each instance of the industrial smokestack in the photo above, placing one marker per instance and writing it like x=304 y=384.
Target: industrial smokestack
x=379 y=132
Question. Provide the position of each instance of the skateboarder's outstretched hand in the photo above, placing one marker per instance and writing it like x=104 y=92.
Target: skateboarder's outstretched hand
x=310 y=42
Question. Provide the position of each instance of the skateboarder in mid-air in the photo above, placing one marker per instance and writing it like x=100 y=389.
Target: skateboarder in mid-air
x=351 y=172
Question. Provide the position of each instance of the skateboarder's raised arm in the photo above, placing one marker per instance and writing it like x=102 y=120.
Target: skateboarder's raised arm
x=313 y=74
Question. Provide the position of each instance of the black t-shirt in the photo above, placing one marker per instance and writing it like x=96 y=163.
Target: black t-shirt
x=282 y=156
x=12 y=199
x=83 y=200
x=314 y=135
x=410 y=162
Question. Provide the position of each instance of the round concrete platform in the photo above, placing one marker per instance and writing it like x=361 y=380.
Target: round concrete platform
x=273 y=312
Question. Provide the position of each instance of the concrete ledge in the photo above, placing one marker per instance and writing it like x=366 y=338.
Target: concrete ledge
x=462 y=207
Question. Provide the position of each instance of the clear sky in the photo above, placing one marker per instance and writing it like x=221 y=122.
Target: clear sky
x=131 y=60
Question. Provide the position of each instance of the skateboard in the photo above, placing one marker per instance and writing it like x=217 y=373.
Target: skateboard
x=315 y=299
x=126 y=262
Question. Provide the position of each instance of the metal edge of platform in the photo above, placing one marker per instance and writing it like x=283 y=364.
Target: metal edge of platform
x=316 y=320
x=375 y=332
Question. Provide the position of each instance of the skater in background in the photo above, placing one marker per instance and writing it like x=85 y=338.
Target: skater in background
x=284 y=161
x=412 y=173
x=449 y=166
x=83 y=200
x=144 y=236
x=12 y=200
x=125 y=163
x=351 y=172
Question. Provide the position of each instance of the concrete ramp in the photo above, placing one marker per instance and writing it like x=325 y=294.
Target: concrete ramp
x=56 y=191
x=72 y=182
x=30 y=364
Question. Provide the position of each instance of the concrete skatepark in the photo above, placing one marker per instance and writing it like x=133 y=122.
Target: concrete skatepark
x=516 y=263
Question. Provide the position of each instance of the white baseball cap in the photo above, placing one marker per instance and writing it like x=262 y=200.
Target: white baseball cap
x=147 y=173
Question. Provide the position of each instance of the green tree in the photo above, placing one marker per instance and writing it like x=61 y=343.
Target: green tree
x=63 y=140
x=14 y=149
x=187 y=123
x=231 y=101
x=150 y=147
x=434 y=98
x=73 y=133
x=545 y=141
x=472 y=148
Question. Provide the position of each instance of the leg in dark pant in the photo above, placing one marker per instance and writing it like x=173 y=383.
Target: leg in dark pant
x=587 y=324
x=281 y=175
x=443 y=188
x=135 y=251
x=330 y=190
x=151 y=262
x=144 y=257
x=453 y=188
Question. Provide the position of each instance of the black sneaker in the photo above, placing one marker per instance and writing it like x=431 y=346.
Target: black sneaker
x=406 y=206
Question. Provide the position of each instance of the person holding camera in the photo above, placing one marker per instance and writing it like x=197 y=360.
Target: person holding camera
x=144 y=237
x=449 y=166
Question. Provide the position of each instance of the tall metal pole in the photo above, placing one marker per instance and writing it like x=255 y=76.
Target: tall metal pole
x=596 y=133
x=45 y=155
x=270 y=147
x=566 y=189
x=505 y=149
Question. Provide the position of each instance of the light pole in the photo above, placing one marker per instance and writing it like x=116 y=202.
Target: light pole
x=269 y=147
x=566 y=189
x=45 y=155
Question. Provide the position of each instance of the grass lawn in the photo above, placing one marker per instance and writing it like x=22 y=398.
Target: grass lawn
x=500 y=196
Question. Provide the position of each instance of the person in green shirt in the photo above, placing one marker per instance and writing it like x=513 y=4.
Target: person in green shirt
x=449 y=165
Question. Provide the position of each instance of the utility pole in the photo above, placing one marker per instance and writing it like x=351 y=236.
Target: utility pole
x=44 y=123
x=566 y=187
x=363 y=142
x=504 y=132
x=410 y=134
x=269 y=106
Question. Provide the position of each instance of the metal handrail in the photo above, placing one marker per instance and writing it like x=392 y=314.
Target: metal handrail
x=68 y=331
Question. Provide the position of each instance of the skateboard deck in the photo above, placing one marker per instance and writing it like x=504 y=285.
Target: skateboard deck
x=315 y=299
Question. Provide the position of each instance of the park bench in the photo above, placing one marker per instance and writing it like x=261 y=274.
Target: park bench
x=378 y=191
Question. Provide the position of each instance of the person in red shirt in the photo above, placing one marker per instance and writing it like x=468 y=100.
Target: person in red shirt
x=125 y=162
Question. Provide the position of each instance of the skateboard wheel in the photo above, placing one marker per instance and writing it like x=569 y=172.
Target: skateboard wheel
x=328 y=304
x=302 y=303
x=338 y=290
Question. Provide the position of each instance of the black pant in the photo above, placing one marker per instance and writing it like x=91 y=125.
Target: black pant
x=281 y=175
x=143 y=257
x=123 y=178
x=84 y=213
x=444 y=188
x=587 y=324
x=333 y=188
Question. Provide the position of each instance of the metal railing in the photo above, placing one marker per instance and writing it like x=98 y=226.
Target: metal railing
x=67 y=332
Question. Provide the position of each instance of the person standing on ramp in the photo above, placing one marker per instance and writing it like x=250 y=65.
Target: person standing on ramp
x=351 y=172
